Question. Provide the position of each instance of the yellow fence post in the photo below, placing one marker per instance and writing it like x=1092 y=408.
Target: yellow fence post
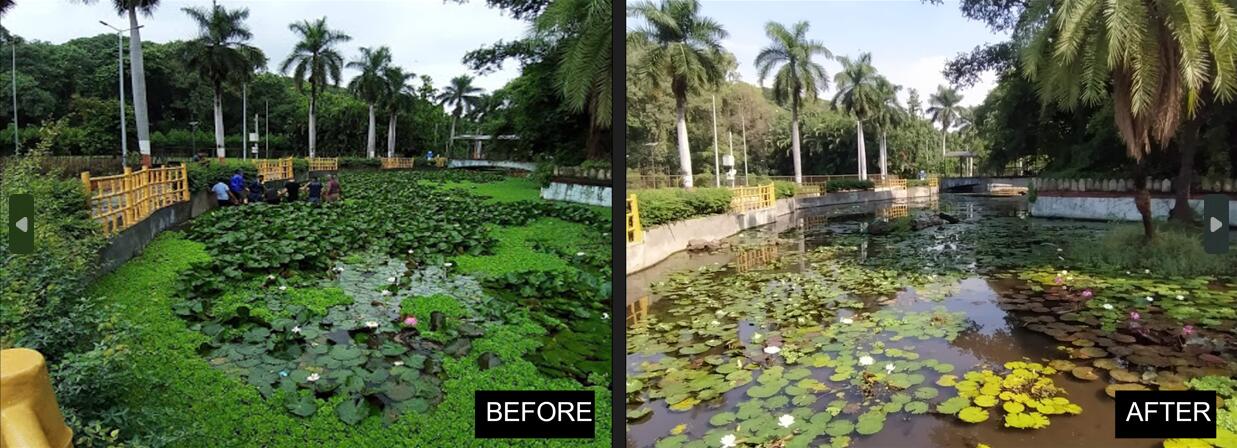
x=635 y=233
x=184 y=181
x=29 y=415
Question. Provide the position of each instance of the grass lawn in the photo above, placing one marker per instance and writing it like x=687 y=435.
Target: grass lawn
x=200 y=405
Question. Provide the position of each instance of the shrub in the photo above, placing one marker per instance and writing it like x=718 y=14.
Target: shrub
x=359 y=163
x=1175 y=251
x=785 y=189
x=673 y=204
x=205 y=173
x=849 y=184
x=917 y=182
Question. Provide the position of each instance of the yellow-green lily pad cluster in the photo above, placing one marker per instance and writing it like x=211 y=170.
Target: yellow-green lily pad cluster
x=1025 y=393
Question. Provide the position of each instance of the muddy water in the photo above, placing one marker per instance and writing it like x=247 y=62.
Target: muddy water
x=994 y=337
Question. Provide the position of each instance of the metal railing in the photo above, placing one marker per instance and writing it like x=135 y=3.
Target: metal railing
x=651 y=181
x=123 y=200
x=635 y=233
x=397 y=163
x=277 y=169
x=752 y=198
x=323 y=164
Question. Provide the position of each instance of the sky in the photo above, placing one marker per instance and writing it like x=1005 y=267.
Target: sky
x=909 y=41
x=427 y=37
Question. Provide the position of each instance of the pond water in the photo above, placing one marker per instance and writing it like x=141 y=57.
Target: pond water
x=779 y=322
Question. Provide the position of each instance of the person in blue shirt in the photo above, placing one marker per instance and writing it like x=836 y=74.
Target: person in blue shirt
x=315 y=191
x=257 y=191
x=238 y=184
x=223 y=195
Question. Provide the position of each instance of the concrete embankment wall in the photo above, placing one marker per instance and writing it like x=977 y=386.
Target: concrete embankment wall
x=1111 y=208
x=578 y=193
x=662 y=241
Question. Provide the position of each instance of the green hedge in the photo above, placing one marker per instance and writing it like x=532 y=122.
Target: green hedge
x=205 y=173
x=666 y=205
x=359 y=162
x=785 y=189
x=849 y=184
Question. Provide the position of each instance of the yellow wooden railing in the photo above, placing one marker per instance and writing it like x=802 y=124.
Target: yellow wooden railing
x=891 y=182
x=752 y=198
x=121 y=201
x=397 y=163
x=755 y=258
x=278 y=169
x=809 y=190
x=440 y=161
x=934 y=183
x=635 y=233
x=893 y=212
x=638 y=311
x=323 y=164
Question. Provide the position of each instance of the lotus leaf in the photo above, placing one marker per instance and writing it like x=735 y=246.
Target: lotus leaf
x=973 y=414
x=1032 y=420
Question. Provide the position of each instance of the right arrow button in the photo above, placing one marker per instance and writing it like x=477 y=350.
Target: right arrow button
x=1215 y=215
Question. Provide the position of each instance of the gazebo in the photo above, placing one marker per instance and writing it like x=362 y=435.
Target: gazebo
x=476 y=140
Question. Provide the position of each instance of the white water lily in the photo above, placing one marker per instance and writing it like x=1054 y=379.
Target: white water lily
x=786 y=420
x=449 y=264
x=371 y=324
x=270 y=277
x=1180 y=297
x=296 y=329
x=605 y=316
x=847 y=320
x=313 y=377
x=729 y=441
x=283 y=288
x=1146 y=271
x=1063 y=273
x=1069 y=278
x=339 y=269
x=390 y=279
x=1059 y=249
x=720 y=313
x=715 y=323
x=755 y=336
x=1149 y=299
x=1108 y=306
x=889 y=368
x=386 y=292
x=866 y=360
x=398 y=363
x=773 y=349
x=409 y=251
x=579 y=254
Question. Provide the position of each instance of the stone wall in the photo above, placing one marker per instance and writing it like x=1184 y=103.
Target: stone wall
x=1120 y=208
x=1126 y=185
x=578 y=193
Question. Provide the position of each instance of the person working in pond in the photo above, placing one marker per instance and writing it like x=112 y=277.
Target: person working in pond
x=333 y=192
x=315 y=190
x=272 y=196
x=223 y=195
x=257 y=191
x=294 y=190
x=237 y=184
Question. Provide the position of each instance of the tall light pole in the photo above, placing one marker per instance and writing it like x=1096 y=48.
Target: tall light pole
x=717 y=165
x=266 y=120
x=245 y=123
x=120 y=81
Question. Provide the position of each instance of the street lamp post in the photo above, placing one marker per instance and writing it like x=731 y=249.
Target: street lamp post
x=120 y=81
x=16 y=129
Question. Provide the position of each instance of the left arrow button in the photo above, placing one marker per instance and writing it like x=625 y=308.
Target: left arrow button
x=21 y=224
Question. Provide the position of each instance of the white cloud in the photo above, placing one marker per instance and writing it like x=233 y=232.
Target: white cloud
x=924 y=74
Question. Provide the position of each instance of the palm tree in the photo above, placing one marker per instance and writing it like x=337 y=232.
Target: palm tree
x=314 y=60
x=461 y=97
x=860 y=95
x=683 y=47
x=136 y=68
x=369 y=84
x=396 y=94
x=220 y=54
x=945 y=106
x=5 y=6
x=889 y=114
x=1160 y=59
x=584 y=79
x=798 y=77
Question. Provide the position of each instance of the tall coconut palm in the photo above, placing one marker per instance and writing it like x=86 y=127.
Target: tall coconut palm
x=889 y=115
x=944 y=107
x=1161 y=59
x=136 y=68
x=368 y=86
x=860 y=95
x=583 y=76
x=683 y=47
x=799 y=77
x=396 y=95
x=5 y=6
x=461 y=96
x=220 y=55
x=315 y=60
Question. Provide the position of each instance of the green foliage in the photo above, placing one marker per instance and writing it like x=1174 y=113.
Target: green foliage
x=675 y=204
x=785 y=189
x=204 y=174
x=349 y=162
x=848 y=184
x=1175 y=251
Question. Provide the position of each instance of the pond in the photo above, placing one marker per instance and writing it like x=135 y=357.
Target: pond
x=812 y=331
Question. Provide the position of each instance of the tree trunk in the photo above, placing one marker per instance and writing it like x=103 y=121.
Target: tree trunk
x=451 y=141
x=391 y=136
x=1142 y=199
x=680 y=126
x=138 y=77
x=862 y=152
x=313 y=127
x=794 y=140
x=371 y=138
x=884 y=162
x=593 y=145
x=219 y=151
x=1188 y=144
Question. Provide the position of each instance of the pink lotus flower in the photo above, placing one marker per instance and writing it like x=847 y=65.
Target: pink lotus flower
x=1058 y=280
x=410 y=321
x=1187 y=330
x=1086 y=293
x=1134 y=315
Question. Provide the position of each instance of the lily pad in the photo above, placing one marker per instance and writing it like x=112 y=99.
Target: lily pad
x=973 y=414
x=1112 y=389
x=1032 y=420
x=1084 y=373
x=838 y=428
